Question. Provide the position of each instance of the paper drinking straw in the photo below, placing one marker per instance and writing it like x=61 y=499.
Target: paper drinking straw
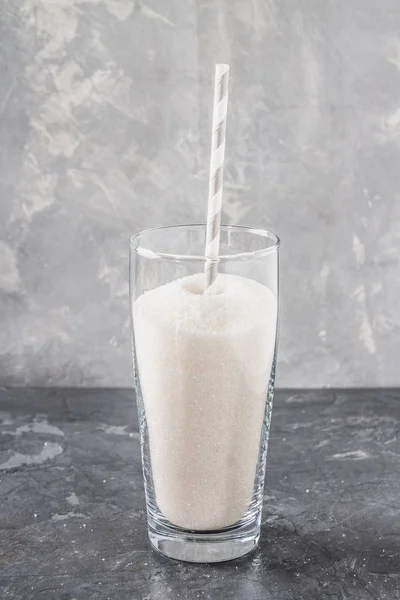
x=216 y=176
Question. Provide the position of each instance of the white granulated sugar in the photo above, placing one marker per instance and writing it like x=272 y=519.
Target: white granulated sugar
x=204 y=364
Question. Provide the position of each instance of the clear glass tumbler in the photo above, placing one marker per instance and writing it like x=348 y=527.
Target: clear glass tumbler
x=204 y=369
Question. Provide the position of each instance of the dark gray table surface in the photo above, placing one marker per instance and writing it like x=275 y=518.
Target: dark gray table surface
x=72 y=514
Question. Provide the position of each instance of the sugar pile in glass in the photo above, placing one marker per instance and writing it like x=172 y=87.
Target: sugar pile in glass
x=204 y=363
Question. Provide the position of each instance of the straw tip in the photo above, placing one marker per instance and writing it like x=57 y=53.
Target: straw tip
x=222 y=66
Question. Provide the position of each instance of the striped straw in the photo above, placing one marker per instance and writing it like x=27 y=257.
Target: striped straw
x=216 y=176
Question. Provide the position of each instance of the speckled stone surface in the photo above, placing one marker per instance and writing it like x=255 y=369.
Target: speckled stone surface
x=72 y=511
x=105 y=120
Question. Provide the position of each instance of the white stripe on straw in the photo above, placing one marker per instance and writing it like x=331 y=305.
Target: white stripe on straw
x=216 y=176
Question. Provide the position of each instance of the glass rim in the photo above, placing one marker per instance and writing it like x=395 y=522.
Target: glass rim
x=150 y=253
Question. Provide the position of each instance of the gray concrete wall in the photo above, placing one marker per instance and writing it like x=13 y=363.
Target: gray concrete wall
x=104 y=130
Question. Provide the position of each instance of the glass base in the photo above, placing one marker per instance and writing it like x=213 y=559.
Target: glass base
x=204 y=547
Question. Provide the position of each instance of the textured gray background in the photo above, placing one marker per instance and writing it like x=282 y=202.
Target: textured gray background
x=104 y=130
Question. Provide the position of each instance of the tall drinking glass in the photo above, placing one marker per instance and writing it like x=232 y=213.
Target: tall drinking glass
x=204 y=369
